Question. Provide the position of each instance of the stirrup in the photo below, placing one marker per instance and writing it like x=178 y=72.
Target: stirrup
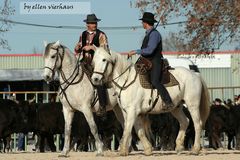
x=168 y=106
x=101 y=112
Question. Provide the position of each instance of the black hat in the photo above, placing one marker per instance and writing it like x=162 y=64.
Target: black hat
x=148 y=17
x=218 y=100
x=91 y=18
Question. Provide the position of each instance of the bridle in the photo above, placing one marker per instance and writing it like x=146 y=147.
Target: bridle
x=113 y=79
x=58 y=54
x=67 y=81
x=103 y=72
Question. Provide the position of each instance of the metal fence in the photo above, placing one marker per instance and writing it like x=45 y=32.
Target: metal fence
x=44 y=97
x=223 y=93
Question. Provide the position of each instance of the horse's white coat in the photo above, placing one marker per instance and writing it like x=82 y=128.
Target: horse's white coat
x=134 y=100
x=79 y=95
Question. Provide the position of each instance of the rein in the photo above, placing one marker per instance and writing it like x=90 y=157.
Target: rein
x=113 y=80
x=66 y=81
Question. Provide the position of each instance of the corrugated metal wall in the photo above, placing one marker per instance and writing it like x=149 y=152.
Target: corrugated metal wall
x=21 y=62
x=223 y=77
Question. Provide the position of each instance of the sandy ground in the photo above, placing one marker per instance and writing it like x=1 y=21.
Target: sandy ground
x=109 y=155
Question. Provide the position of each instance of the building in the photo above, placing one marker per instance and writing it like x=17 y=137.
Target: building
x=23 y=72
x=221 y=71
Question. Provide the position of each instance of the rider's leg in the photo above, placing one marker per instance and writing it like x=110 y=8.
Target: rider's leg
x=155 y=80
x=102 y=96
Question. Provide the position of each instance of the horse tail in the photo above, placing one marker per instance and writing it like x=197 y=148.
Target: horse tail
x=204 y=103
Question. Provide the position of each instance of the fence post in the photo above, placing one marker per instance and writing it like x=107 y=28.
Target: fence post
x=26 y=136
x=57 y=143
x=223 y=97
x=202 y=135
x=113 y=143
x=224 y=140
x=14 y=142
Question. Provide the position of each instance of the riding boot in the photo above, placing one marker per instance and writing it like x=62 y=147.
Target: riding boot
x=162 y=91
x=102 y=96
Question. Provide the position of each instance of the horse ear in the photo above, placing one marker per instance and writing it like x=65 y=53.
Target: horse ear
x=109 y=52
x=56 y=44
x=45 y=43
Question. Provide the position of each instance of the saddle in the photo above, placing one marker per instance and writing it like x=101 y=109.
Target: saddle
x=143 y=67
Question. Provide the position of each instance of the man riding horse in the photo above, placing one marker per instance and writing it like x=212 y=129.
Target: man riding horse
x=152 y=50
x=90 y=37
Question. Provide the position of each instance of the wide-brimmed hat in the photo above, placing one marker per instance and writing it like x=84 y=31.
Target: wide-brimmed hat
x=91 y=18
x=148 y=17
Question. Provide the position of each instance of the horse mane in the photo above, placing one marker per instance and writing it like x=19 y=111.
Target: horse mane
x=120 y=61
x=114 y=57
x=47 y=48
x=70 y=54
x=66 y=51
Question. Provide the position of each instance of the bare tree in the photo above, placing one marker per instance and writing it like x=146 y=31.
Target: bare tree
x=209 y=23
x=6 y=10
x=173 y=43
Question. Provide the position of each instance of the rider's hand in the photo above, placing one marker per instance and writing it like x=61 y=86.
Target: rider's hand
x=131 y=53
x=87 y=48
x=77 y=47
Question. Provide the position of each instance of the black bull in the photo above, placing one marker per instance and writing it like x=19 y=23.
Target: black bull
x=47 y=119
x=12 y=119
x=222 y=119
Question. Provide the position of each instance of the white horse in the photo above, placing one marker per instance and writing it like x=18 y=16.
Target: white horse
x=76 y=91
x=134 y=100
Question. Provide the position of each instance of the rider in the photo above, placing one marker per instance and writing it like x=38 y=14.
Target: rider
x=152 y=50
x=90 y=37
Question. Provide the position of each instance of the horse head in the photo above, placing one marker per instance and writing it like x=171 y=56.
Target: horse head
x=53 y=57
x=103 y=63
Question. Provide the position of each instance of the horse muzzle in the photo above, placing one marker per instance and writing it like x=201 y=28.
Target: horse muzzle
x=96 y=79
x=48 y=77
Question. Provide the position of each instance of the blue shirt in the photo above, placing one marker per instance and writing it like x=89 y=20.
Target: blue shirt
x=154 y=39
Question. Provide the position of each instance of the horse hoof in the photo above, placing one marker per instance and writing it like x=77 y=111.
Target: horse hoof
x=179 y=150
x=63 y=156
x=123 y=153
x=148 y=152
x=99 y=155
x=195 y=152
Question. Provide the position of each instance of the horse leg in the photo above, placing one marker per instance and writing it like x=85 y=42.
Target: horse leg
x=140 y=130
x=68 y=116
x=119 y=114
x=195 y=114
x=129 y=120
x=183 y=123
x=93 y=127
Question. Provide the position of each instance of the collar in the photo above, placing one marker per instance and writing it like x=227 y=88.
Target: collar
x=91 y=32
x=148 y=30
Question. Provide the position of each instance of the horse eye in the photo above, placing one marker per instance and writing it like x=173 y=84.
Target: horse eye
x=104 y=60
x=53 y=56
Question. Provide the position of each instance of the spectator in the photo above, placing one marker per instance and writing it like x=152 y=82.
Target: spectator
x=21 y=142
x=217 y=102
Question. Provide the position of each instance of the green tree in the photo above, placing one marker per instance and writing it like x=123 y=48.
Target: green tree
x=209 y=23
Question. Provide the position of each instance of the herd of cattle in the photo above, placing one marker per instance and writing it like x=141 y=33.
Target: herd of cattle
x=46 y=119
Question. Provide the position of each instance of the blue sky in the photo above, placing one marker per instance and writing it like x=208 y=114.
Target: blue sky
x=115 y=13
